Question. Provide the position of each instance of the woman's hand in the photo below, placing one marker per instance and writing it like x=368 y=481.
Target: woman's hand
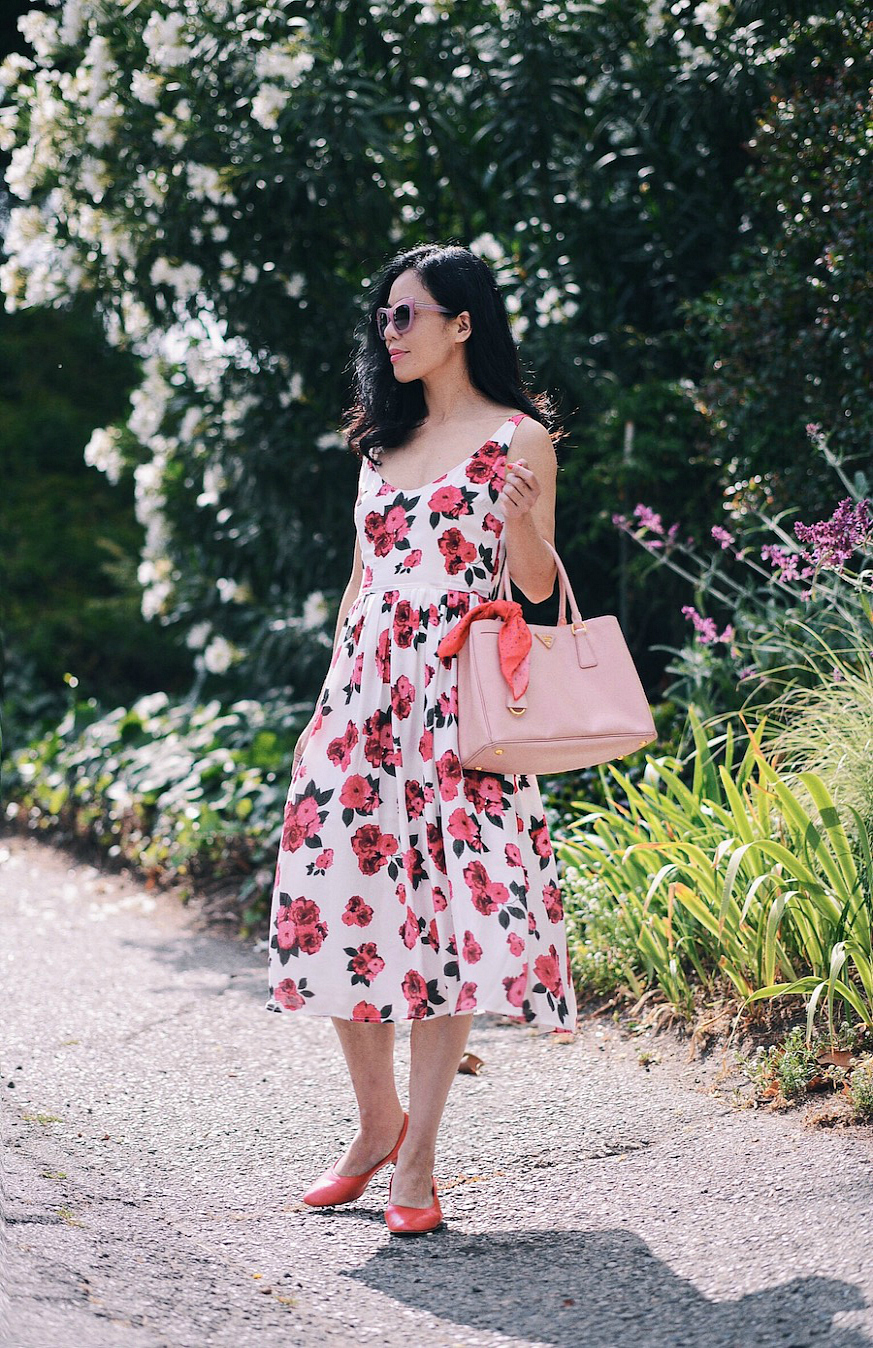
x=520 y=490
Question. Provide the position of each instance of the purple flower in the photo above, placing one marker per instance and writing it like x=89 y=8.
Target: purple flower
x=786 y=563
x=649 y=519
x=707 y=632
x=722 y=537
x=833 y=541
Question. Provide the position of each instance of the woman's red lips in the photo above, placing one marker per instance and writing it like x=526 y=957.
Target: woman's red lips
x=392 y=355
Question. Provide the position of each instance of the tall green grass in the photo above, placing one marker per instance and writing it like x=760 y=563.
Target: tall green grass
x=732 y=875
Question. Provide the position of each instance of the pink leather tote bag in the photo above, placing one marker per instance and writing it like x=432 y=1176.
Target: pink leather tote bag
x=583 y=703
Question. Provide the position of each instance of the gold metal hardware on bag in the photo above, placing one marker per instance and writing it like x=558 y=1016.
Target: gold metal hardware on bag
x=518 y=711
x=579 y=627
x=498 y=751
x=546 y=640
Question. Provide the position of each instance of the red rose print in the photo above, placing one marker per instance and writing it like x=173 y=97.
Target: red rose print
x=339 y=751
x=484 y=792
x=425 y=746
x=402 y=698
x=299 y=926
x=382 y=656
x=365 y=1011
x=405 y=623
x=373 y=848
x=541 y=841
x=515 y=987
x=324 y=859
x=409 y=930
x=472 y=949
x=357 y=912
x=488 y=464
x=515 y=943
x=449 y=774
x=379 y=742
x=433 y=935
x=466 y=998
x=301 y=822
x=440 y=902
x=464 y=827
x=513 y=855
x=436 y=847
x=552 y=900
x=359 y=794
x=449 y=501
x=413 y=864
x=357 y=669
x=448 y=703
x=383 y=531
x=366 y=963
x=548 y=971
x=456 y=550
x=411 y=560
x=286 y=995
x=414 y=990
x=493 y=524
x=414 y=796
x=488 y=895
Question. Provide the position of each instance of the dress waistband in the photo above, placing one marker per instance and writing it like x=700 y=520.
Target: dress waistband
x=423 y=585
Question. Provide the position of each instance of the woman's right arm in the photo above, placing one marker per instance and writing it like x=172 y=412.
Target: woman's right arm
x=350 y=594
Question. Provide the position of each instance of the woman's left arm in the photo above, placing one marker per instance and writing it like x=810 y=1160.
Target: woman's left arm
x=528 y=500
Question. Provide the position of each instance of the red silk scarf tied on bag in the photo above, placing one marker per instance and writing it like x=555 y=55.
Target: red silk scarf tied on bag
x=513 y=641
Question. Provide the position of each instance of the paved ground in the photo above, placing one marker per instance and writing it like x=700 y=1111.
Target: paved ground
x=159 y=1125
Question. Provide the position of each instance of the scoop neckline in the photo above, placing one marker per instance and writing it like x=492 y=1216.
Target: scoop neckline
x=449 y=471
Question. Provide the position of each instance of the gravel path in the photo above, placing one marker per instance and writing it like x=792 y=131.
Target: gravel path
x=159 y=1125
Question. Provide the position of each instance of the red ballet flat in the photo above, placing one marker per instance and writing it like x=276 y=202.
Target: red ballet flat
x=331 y=1188
x=413 y=1221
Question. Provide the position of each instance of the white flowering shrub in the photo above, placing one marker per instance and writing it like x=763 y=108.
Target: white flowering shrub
x=223 y=178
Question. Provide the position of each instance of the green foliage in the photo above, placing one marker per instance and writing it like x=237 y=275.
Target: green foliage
x=860 y=1090
x=589 y=151
x=180 y=791
x=789 y=1065
x=788 y=327
x=730 y=876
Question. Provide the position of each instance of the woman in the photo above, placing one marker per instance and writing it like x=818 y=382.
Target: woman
x=407 y=888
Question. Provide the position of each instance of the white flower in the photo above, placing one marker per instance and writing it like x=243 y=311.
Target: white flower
x=40 y=31
x=102 y=452
x=205 y=184
x=283 y=63
x=295 y=285
x=710 y=15
x=486 y=246
x=315 y=611
x=146 y=87
x=197 y=637
x=166 y=40
x=219 y=655
x=12 y=69
x=267 y=103
x=72 y=20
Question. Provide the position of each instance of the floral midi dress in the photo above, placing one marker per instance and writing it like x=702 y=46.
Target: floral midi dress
x=405 y=886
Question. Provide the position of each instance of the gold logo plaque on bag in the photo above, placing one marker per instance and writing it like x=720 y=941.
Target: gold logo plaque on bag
x=546 y=640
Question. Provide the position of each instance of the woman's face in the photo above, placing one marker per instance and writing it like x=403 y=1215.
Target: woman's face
x=431 y=341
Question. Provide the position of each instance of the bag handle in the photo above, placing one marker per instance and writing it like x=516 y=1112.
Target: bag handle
x=566 y=597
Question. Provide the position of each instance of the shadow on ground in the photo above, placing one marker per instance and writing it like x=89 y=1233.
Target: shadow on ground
x=600 y=1289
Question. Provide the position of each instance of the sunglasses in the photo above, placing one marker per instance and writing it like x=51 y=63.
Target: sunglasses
x=402 y=315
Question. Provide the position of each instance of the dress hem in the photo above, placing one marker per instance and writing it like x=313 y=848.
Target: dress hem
x=537 y=1023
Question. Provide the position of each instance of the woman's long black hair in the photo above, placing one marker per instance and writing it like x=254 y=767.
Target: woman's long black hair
x=385 y=411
